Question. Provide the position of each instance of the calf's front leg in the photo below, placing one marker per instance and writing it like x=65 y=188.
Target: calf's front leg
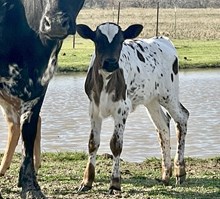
x=93 y=145
x=116 y=145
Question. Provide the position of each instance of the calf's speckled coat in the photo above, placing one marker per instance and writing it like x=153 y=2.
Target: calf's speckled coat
x=123 y=74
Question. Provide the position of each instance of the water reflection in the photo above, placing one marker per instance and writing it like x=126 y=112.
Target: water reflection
x=66 y=126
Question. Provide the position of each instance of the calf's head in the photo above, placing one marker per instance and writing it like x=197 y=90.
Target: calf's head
x=59 y=17
x=108 y=39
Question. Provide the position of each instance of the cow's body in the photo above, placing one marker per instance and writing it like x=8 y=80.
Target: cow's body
x=123 y=76
x=31 y=34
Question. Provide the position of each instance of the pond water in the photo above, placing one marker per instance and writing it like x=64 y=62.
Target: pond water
x=66 y=125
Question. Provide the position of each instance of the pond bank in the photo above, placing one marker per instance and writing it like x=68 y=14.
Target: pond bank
x=72 y=69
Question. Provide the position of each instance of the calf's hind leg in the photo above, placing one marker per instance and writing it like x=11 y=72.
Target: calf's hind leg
x=162 y=123
x=180 y=115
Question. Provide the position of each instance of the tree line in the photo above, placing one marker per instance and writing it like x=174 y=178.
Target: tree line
x=152 y=3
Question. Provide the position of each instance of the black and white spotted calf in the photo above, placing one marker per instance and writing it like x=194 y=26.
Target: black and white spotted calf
x=124 y=74
x=31 y=35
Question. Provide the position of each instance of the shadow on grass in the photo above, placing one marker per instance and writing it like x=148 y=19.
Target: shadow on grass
x=199 y=188
x=150 y=188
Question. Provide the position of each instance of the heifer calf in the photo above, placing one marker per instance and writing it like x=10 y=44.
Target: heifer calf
x=122 y=75
x=31 y=35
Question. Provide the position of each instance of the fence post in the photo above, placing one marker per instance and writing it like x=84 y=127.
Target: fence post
x=175 y=23
x=119 y=9
x=113 y=10
x=158 y=7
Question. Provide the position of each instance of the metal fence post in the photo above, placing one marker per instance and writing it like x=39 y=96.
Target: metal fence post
x=175 y=23
x=158 y=7
x=119 y=9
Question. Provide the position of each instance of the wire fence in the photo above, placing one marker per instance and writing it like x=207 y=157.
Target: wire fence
x=172 y=22
x=152 y=3
x=119 y=9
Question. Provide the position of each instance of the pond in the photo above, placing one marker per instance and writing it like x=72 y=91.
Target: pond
x=66 y=125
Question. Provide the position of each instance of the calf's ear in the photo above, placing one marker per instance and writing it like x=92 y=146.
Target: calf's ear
x=132 y=31
x=85 y=32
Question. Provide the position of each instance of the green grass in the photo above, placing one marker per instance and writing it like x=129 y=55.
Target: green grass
x=198 y=53
x=75 y=59
x=61 y=174
x=192 y=54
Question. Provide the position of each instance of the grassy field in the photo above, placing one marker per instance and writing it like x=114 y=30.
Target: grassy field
x=182 y=24
x=61 y=174
x=195 y=33
x=192 y=53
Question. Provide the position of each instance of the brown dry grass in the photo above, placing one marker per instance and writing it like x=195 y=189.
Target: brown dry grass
x=190 y=23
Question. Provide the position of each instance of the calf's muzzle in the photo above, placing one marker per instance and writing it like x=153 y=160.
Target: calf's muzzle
x=110 y=65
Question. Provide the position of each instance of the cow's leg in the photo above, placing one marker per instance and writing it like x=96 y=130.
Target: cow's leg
x=27 y=175
x=180 y=115
x=13 y=137
x=37 y=147
x=116 y=145
x=93 y=145
x=162 y=124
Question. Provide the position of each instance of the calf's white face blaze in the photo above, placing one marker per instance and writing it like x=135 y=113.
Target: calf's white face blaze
x=109 y=31
x=124 y=74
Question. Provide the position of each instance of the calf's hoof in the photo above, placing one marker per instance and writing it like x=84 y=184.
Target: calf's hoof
x=2 y=172
x=115 y=185
x=84 y=188
x=180 y=179
x=112 y=189
x=32 y=194
x=180 y=174
x=164 y=182
x=166 y=175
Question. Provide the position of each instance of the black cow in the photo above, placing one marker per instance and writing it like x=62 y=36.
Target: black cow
x=31 y=34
